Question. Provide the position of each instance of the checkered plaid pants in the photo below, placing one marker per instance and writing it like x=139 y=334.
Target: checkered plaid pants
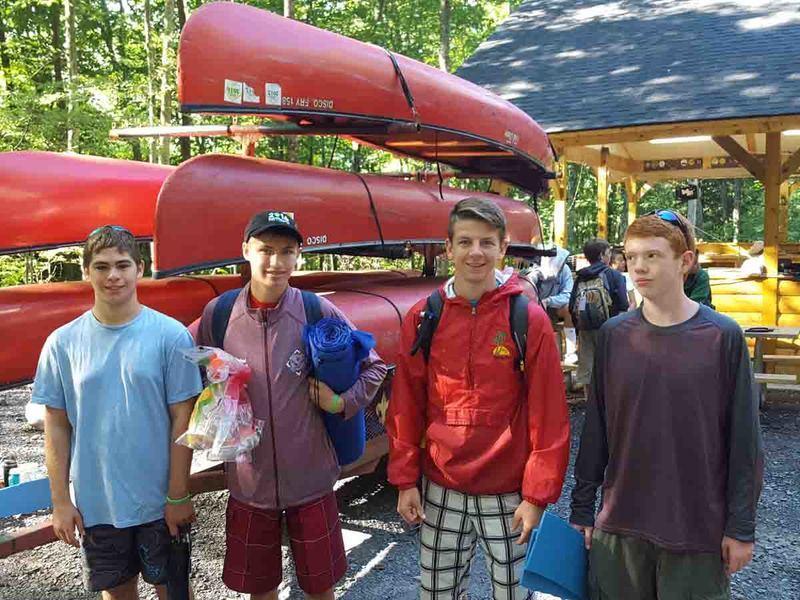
x=454 y=522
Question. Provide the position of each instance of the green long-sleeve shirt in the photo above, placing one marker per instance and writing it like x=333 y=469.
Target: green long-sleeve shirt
x=698 y=287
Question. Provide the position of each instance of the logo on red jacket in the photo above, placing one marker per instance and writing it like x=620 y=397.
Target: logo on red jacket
x=499 y=349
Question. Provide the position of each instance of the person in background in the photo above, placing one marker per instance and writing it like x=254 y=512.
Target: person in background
x=754 y=264
x=598 y=294
x=553 y=280
x=697 y=285
x=619 y=264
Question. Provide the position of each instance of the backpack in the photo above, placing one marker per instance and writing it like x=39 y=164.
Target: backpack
x=592 y=303
x=518 y=316
x=222 y=312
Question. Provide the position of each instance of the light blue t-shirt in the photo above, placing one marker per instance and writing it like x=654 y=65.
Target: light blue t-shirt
x=115 y=383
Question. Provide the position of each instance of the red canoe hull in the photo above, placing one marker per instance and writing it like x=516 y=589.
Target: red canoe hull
x=29 y=313
x=285 y=68
x=205 y=204
x=52 y=199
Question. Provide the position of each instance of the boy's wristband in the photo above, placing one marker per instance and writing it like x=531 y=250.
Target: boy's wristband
x=338 y=404
x=183 y=500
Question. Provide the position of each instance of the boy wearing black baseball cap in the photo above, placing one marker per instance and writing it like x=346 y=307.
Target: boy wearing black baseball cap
x=294 y=466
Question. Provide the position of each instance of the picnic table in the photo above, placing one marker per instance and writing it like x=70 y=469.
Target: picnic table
x=759 y=334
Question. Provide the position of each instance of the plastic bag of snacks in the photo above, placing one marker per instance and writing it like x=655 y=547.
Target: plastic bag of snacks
x=222 y=420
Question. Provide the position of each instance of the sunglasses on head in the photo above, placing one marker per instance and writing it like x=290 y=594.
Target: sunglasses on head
x=672 y=218
x=112 y=227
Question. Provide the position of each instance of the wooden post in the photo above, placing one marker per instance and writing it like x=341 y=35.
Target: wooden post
x=602 y=195
x=560 y=192
x=632 y=190
x=783 y=213
x=772 y=190
x=248 y=145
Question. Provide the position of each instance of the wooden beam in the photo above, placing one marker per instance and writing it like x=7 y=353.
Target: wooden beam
x=751 y=142
x=643 y=133
x=632 y=189
x=790 y=165
x=656 y=176
x=27 y=538
x=592 y=158
x=747 y=160
x=500 y=187
x=772 y=185
x=602 y=195
x=560 y=192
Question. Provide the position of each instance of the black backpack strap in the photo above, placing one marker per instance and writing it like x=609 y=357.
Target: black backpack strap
x=312 y=306
x=427 y=326
x=221 y=315
x=518 y=315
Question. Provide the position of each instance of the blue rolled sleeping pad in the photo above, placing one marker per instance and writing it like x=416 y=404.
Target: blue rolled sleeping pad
x=335 y=351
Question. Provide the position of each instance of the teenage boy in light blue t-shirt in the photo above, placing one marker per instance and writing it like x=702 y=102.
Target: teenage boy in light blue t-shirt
x=118 y=392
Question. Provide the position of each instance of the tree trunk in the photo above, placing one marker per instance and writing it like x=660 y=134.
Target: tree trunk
x=123 y=32
x=58 y=45
x=444 y=36
x=5 y=61
x=737 y=205
x=184 y=143
x=151 y=118
x=72 y=71
x=136 y=149
x=166 y=90
x=107 y=29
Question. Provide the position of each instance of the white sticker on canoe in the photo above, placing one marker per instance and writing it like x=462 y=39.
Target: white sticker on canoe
x=233 y=91
x=273 y=94
x=250 y=94
x=512 y=138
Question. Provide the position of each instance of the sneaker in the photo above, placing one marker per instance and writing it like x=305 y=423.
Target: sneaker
x=571 y=359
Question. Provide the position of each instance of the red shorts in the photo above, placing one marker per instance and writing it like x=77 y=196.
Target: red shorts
x=253 y=554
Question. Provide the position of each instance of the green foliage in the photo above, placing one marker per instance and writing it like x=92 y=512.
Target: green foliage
x=111 y=91
x=715 y=224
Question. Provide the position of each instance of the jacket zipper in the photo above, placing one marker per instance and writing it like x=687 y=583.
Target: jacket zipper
x=271 y=412
x=471 y=382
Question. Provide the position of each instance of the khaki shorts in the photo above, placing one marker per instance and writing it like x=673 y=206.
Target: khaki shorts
x=630 y=568
x=587 y=343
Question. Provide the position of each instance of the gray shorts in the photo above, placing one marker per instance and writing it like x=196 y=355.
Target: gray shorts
x=113 y=556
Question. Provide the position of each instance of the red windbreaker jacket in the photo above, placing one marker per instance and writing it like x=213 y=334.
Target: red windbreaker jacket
x=468 y=418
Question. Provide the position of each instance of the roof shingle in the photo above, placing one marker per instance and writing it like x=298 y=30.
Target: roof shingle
x=587 y=64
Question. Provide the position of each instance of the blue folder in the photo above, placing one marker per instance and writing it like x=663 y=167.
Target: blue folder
x=25 y=498
x=556 y=561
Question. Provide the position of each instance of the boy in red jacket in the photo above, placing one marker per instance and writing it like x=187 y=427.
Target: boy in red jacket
x=492 y=442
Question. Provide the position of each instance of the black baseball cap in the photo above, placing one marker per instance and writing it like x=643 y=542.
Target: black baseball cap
x=270 y=220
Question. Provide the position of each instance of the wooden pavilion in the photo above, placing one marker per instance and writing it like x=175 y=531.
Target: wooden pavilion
x=646 y=91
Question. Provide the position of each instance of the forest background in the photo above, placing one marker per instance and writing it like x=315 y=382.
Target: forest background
x=70 y=70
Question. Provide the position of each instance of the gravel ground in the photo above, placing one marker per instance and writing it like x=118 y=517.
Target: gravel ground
x=382 y=553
